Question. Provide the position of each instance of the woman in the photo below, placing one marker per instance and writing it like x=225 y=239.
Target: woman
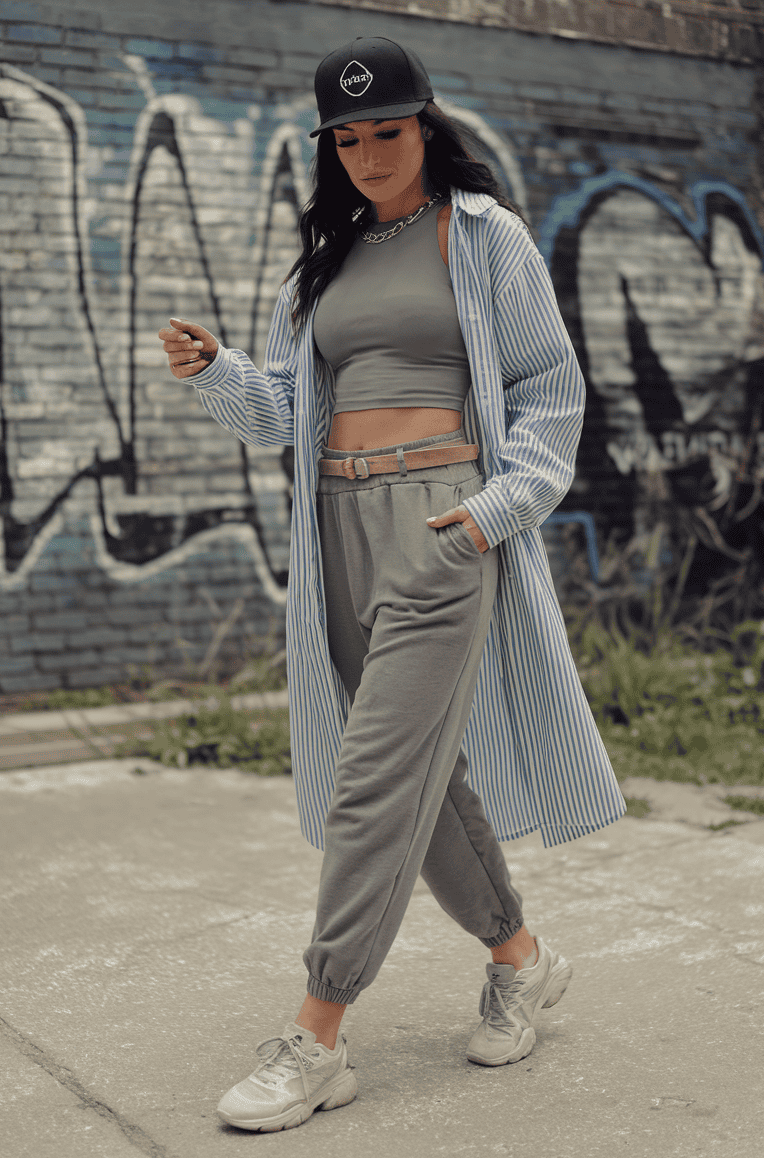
x=418 y=362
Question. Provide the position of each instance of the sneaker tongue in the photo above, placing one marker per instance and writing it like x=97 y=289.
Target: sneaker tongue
x=282 y=1055
x=308 y=1038
x=500 y=974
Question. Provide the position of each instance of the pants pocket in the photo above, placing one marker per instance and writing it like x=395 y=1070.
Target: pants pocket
x=463 y=539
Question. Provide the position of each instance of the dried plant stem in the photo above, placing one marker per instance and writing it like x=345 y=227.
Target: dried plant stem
x=221 y=631
x=684 y=571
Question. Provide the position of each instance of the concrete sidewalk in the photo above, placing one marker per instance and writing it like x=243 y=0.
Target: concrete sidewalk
x=152 y=933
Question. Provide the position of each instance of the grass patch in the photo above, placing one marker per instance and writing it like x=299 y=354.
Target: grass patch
x=669 y=705
x=637 y=807
x=673 y=712
x=745 y=804
x=219 y=736
x=263 y=673
x=734 y=757
x=63 y=698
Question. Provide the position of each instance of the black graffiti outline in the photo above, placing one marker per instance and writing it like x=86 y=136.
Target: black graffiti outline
x=615 y=493
x=137 y=530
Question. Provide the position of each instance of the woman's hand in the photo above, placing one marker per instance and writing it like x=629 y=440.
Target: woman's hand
x=460 y=515
x=188 y=346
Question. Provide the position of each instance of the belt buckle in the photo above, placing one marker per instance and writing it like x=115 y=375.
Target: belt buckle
x=353 y=468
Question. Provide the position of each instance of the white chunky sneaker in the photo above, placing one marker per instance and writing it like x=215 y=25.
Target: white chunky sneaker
x=508 y=1006
x=296 y=1076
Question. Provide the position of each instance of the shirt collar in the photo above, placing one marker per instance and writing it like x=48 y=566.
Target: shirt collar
x=473 y=203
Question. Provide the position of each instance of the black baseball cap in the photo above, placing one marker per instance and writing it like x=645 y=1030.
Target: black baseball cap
x=372 y=78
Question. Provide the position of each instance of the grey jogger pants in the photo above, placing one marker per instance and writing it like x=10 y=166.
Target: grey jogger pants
x=407 y=612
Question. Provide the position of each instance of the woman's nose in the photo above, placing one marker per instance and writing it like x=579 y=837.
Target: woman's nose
x=368 y=156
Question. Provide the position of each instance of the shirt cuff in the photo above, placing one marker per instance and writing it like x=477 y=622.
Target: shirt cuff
x=214 y=373
x=489 y=511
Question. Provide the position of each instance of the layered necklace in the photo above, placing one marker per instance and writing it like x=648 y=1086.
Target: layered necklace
x=376 y=238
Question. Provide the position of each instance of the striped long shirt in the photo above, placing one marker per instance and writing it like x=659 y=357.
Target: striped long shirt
x=535 y=755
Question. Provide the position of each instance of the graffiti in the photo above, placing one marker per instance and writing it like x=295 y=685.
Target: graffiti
x=89 y=406
x=661 y=293
x=666 y=311
x=198 y=236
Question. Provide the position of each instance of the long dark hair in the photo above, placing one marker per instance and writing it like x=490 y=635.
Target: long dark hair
x=332 y=217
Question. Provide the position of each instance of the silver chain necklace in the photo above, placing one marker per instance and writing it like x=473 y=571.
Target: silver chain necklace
x=376 y=238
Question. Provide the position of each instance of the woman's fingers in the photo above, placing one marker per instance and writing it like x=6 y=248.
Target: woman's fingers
x=177 y=358
x=188 y=369
x=460 y=515
x=184 y=323
x=173 y=332
x=171 y=345
x=184 y=343
x=456 y=514
x=179 y=339
x=189 y=355
x=182 y=347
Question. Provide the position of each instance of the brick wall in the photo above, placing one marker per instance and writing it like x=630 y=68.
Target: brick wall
x=153 y=164
x=717 y=29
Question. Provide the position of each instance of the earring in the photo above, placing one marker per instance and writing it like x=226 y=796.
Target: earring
x=427 y=133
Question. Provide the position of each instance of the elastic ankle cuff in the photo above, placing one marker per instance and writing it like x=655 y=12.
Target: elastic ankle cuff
x=324 y=992
x=505 y=935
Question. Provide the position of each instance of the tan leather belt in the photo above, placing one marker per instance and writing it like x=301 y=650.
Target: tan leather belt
x=353 y=468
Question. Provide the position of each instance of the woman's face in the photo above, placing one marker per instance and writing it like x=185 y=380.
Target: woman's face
x=384 y=159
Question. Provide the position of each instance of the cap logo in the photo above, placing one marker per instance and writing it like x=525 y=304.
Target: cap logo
x=355 y=79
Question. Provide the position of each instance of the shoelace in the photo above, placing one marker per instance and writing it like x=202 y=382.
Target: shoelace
x=494 y=995
x=279 y=1064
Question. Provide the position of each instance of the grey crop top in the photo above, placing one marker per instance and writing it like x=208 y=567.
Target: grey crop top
x=387 y=324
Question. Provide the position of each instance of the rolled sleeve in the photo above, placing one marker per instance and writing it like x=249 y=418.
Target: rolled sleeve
x=214 y=373
x=256 y=406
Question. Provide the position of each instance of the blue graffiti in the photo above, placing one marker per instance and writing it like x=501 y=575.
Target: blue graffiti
x=568 y=209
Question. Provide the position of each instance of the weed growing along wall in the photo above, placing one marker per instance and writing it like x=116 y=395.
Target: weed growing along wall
x=155 y=167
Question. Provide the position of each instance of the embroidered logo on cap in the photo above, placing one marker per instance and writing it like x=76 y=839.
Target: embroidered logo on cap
x=355 y=79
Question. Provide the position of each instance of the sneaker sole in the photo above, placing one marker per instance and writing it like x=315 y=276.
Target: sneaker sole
x=342 y=1092
x=521 y=1050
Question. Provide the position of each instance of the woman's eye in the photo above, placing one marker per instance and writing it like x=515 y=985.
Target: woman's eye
x=386 y=136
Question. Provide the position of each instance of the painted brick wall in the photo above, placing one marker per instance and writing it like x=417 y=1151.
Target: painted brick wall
x=716 y=29
x=154 y=165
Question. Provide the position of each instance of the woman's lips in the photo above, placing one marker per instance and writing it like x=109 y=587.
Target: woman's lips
x=382 y=178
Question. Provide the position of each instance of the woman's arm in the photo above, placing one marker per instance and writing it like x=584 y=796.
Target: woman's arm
x=545 y=396
x=256 y=406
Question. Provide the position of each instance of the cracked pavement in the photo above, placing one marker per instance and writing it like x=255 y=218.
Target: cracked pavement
x=152 y=934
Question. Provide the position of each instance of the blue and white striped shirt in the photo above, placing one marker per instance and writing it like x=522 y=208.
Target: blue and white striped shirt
x=535 y=755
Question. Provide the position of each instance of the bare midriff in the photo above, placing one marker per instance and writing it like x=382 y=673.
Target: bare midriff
x=367 y=429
